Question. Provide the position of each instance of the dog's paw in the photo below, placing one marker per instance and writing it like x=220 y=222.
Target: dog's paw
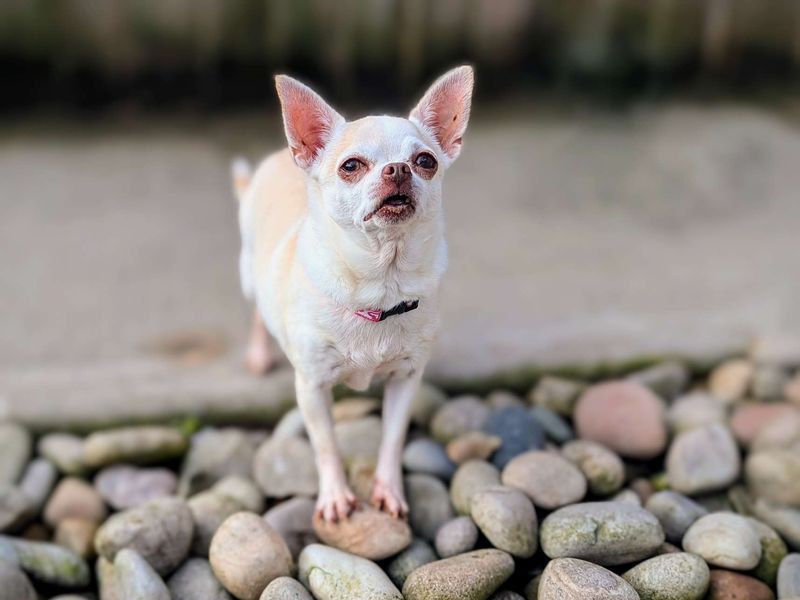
x=335 y=503
x=389 y=498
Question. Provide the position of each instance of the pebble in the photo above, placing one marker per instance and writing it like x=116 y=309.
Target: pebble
x=472 y=445
x=77 y=535
x=15 y=452
x=348 y=409
x=246 y=554
x=16 y=508
x=574 y=579
x=160 y=531
x=65 y=451
x=506 y=595
x=136 y=579
x=750 y=418
x=643 y=488
x=548 y=479
x=124 y=486
x=694 y=410
x=138 y=445
x=624 y=416
x=471 y=477
x=292 y=520
x=557 y=394
x=424 y=455
x=401 y=566
x=75 y=498
x=429 y=504
x=774 y=475
x=703 y=460
x=367 y=532
x=773 y=551
x=789 y=577
x=358 y=439
x=471 y=576
x=243 y=490
x=213 y=455
x=518 y=430
x=628 y=496
x=457 y=536
x=791 y=391
x=508 y=520
x=14 y=584
x=785 y=520
x=675 y=512
x=290 y=425
x=361 y=477
x=731 y=380
x=555 y=426
x=286 y=467
x=602 y=468
x=675 y=576
x=666 y=379
x=106 y=580
x=726 y=585
x=38 y=481
x=50 y=563
x=607 y=533
x=503 y=399
x=459 y=415
x=209 y=510
x=195 y=580
x=332 y=574
x=724 y=540
x=782 y=434
x=7 y=552
x=768 y=382
x=426 y=402
x=285 y=588
x=776 y=349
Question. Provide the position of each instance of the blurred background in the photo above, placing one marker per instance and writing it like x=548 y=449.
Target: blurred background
x=628 y=189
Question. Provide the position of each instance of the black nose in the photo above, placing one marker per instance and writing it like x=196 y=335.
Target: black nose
x=397 y=172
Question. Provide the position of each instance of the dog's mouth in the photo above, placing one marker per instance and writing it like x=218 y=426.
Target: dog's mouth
x=393 y=208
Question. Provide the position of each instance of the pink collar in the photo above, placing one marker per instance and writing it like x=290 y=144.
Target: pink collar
x=376 y=315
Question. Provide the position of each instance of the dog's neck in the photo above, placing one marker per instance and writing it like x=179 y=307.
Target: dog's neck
x=362 y=269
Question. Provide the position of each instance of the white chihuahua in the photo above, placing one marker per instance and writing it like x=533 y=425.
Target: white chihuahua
x=342 y=252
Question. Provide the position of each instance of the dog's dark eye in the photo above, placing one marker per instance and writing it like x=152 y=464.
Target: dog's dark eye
x=425 y=161
x=351 y=165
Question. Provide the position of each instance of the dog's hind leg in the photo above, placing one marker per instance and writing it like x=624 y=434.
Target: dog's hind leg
x=260 y=356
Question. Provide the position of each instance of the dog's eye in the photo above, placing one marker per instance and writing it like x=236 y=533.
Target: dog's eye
x=351 y=165
x=425 y=161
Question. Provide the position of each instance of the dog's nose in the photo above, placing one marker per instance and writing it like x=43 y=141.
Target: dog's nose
x=397 y=172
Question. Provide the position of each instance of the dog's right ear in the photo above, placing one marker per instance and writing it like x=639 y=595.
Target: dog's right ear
x=308 y=120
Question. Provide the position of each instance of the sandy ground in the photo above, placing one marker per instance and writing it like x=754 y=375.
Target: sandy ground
x=573 y=237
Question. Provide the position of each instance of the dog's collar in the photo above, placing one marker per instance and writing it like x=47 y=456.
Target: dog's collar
x=379 y=315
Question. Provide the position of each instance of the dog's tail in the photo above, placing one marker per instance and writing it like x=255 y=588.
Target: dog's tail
x=241 y=175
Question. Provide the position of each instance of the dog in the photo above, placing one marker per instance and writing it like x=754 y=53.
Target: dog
x=343 y=251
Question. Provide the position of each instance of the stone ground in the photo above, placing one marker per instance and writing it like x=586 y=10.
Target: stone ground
x=576 y=237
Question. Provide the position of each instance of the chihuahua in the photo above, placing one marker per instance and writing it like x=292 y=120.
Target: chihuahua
x=342 y=253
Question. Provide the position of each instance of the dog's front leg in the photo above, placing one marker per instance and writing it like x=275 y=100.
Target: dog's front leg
x=335 y=499
x=388 y=491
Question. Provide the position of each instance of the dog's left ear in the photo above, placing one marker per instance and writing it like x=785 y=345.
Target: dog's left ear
x=444 y=109
x=309 y=121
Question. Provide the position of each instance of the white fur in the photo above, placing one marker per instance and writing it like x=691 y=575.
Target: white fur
x=332 y=261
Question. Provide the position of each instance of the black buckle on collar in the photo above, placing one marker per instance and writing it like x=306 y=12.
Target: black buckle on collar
x=403 y=307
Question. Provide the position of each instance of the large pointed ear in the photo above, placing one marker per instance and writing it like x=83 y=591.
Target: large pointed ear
x=444 y=109
x=308 y=120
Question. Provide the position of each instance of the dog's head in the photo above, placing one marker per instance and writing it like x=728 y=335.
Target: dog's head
x=378 y=172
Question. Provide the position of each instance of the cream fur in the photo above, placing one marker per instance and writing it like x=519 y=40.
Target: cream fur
x=309 y=260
